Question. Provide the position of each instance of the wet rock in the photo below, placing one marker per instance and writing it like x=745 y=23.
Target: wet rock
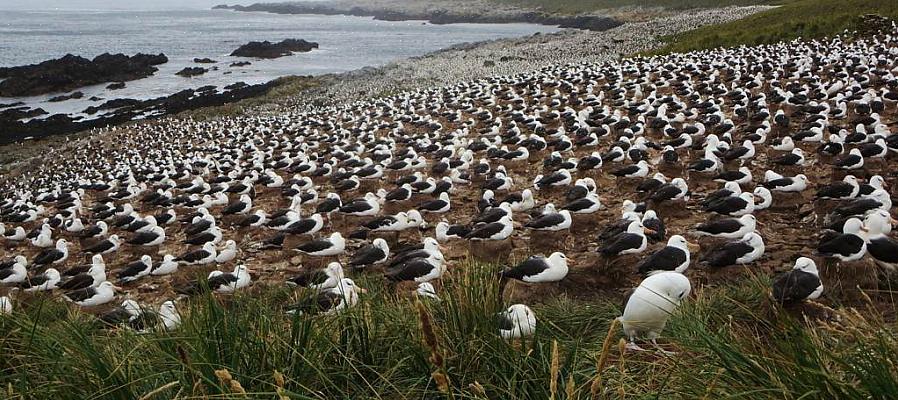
x=268 y=49
x=240 y=63
x=70 y=72
x=191 y=71
x=73 y=95
x=116 y=86
x=204 y=61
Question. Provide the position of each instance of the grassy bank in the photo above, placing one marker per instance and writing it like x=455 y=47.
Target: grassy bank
x=730 y=344
x=794 y=19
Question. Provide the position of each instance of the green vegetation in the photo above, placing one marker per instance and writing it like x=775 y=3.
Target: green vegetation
x=796 y=18
x=731 y=344
x=580 y=6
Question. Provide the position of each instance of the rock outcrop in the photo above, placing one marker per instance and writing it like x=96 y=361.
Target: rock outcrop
x=268 y=49
x=71 y=72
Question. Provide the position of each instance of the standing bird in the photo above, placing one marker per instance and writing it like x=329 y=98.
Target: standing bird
x=799 y=284
x=651 y=304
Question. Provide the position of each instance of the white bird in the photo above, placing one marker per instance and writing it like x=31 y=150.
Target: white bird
x=169 y=316
x=228 y=253
x=651 y=304
x=516 y=322
x=168 y=265
x=92 y=296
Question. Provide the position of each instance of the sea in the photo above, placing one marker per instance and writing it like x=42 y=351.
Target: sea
x=346 y=43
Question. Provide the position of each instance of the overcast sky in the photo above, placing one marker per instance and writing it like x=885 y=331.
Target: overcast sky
x=117 y=4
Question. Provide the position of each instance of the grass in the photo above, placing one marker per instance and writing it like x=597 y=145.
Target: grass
x=581 y=6
x=731 y=344
x=794 y=19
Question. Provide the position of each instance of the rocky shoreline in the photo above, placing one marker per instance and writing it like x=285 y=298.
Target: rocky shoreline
x=72 y=72
x=460 y=63
x=120 y=111
x=436 y=15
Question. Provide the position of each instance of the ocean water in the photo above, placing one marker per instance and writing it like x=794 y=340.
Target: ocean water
x=346 y=43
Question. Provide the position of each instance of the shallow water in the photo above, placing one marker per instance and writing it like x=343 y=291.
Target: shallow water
x=346 y=43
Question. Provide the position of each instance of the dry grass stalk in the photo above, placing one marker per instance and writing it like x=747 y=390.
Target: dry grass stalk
x=597 y=385
x=158 y=390
x=553 y=372
x=622 y=350
x=439 y=375
x=227 y=380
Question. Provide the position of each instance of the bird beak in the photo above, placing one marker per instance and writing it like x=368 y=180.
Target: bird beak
x=865 y=229
x=650 y=231
x=441 y=247
x=363 y=290
x=118 y=288
x=893 y=221
x=693 y=246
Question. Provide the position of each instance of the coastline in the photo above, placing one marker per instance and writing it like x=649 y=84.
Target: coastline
x=459 y=63
x=438 y=13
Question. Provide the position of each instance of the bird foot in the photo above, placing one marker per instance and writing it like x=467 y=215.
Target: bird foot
x=634 y=347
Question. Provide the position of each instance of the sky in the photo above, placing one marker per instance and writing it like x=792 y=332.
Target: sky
x=116 y=4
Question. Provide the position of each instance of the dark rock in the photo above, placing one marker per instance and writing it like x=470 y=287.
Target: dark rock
x=489 y=63
x=237 y=85
x=95 y=98
x=16 y=104
x=73 y=95
x=17 y=113
x=70 y=72
x=240 y=63
x=207 y=88
x=204 y=61
x=268 y=49
x=120 y=111
x=191 y=71
x=116 y=86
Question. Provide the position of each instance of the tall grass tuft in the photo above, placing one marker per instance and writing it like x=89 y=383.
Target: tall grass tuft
x=731 y=343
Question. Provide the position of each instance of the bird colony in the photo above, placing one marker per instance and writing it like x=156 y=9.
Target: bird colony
x=588 y=180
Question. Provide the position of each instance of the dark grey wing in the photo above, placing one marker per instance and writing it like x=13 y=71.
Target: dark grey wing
x=79 y=281
x=666 y=259
x=409 y=270
x=624 y=241
x=727 y=254
x=81 y=294
x=794 y=286
x=531 y=266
